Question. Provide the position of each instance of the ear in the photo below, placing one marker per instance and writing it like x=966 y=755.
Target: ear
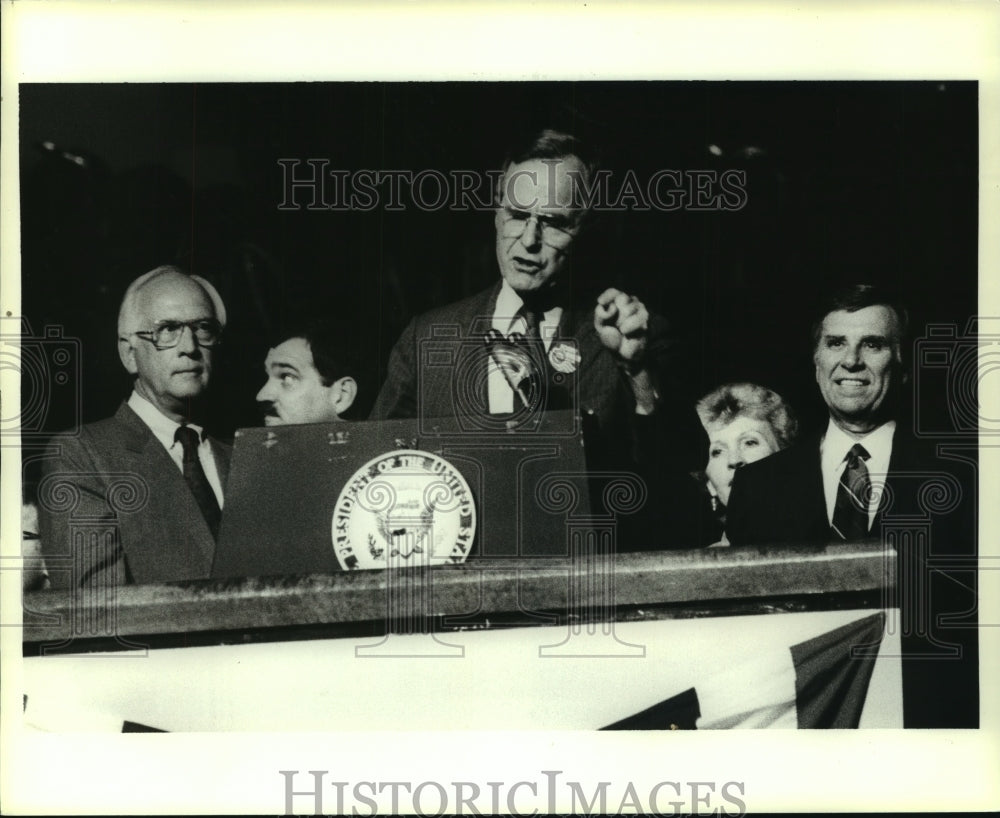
x=343 y=393
x=126 y=351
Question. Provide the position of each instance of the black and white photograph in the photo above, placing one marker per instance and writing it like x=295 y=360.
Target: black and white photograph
x=360 y=415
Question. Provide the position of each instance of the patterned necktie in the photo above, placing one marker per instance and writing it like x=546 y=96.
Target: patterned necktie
x=533 y=337
x=850 y=512
x=194 y=474
x=535 y=347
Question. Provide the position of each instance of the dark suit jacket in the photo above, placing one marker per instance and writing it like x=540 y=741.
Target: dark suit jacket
x=928 y=516
x=604 y=393
x=616 y=437
x=114 y=501
x=780 y=499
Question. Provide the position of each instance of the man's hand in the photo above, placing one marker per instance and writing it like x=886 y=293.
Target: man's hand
x=622 y=323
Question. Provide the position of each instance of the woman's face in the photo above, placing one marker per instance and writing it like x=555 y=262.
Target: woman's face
x=730 y=445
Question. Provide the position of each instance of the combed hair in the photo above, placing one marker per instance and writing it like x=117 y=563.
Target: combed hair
x=331 y=348
x=127 y=313
x=733 y=400
x=854 y=297
x=335 y=354
x=551 y=144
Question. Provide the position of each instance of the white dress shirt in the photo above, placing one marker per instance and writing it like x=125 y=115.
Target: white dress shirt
x=833 y=453
x=505 y=321
x=164 y=429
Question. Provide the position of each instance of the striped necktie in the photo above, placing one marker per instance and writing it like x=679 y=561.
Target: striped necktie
x=850 y=511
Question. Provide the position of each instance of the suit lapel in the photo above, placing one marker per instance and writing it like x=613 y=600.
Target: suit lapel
x=595 y=368
x=171 y=502
x=814 y=495
x=479 y=318
x=802 y=495
x=477 y=322
x=222 y=454
x=903 y=459
x=136 y=433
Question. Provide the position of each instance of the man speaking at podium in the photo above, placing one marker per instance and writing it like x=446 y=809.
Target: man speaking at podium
x=608 y=360
x=538 y=222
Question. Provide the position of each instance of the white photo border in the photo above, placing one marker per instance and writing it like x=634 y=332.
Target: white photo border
x=186 y=41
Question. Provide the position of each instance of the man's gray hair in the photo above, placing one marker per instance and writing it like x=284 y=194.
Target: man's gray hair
x=127 y=314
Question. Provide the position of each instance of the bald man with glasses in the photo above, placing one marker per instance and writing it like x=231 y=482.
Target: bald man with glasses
x=150 y=474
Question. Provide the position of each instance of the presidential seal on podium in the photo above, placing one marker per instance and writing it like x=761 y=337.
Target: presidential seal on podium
x=404 y=508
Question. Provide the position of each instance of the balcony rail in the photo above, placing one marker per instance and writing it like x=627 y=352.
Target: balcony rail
x=477 y=594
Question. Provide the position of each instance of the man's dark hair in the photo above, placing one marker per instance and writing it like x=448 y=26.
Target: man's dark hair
x=854 y=297
x=553 y=144
x=334 y=351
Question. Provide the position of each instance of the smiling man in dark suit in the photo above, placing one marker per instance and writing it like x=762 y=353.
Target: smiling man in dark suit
x=547 y=347
x=150 y=475
x=868 y=478
x=824 y=490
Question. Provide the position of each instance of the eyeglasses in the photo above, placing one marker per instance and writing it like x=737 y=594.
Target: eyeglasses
x=557 y=231
x=166 y=334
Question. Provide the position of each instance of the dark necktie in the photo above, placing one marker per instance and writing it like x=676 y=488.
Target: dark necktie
x=850 y=511
x=194 y=474
x=534 y=346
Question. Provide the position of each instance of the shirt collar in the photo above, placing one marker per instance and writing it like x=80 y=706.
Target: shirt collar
x=161 y=426
x=509 y=302
x=837 y=443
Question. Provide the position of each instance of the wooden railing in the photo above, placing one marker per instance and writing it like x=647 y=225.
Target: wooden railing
x=477 y=594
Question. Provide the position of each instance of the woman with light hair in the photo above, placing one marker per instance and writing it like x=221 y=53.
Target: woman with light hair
x=744 y=423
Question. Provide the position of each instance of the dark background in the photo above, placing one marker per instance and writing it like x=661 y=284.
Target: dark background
x=862 y=181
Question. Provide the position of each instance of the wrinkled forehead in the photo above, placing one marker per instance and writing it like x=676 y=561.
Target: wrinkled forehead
x=174 y=297
x=294 y=352
x=544 y=185
x=878 y=320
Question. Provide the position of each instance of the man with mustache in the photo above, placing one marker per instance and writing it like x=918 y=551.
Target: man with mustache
x=150 y=472
x=869 y=478
x=309 y=378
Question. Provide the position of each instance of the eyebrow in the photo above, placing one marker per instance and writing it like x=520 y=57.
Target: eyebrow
x=882 y=339
x=281 y=365
x=559 y=209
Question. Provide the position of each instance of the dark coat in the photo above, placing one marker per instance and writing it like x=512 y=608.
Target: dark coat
x=426 y=380
x=928 y=517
